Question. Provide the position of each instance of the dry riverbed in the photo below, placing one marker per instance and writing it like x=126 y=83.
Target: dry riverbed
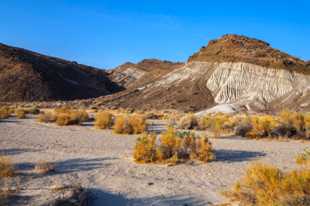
x=101 y=162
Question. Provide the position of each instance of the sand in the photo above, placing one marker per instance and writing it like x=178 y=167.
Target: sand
x=102 y=162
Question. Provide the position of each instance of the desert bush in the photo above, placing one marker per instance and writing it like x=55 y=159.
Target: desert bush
x=122 y=126
x=104 y=120
x=46 y=117
x=32 y=110
x=145 y=149
x=218 y=124
x=20 y=113
x=44 y=167
x=64 y=119
x=65 y=116
x=265 y=185
x=262 y=126
x=8 y=186
x=4 y=113
x=189 y=121
x=243 y=129
x=257 y=126
x=307 y=125
x=62 y=110
x=138 y=123
x=304 y=158
x=205 y=122
x=79 y=115
x=6 y=167
x=172 y=147
x=294 y=119
x=133 y=124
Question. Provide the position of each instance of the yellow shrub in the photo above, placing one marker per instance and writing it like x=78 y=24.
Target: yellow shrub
x=6 y=167
x=145 y=150
x=168 y=138
x=173 y=147
x=262 y=126
x=32 y=110
x=133 y=124
x=104 y=120
x=218 y=123
x=4 y=113
x=78 y=115
x=137 y=123
x=265 y=185
x=62 y=110
x=303 y=158
x=205 y=122
x=65 y=116
x=63 y=119
x=43 y=167
x=122 y=126
x=189 y=121
x=47 y=117
x=295 y=119
x=204 y=150
x=20 y=113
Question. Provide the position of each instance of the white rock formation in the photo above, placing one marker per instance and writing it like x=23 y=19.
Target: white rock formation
x=240 y=83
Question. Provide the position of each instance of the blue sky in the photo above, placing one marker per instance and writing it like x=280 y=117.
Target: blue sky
x=106 y=33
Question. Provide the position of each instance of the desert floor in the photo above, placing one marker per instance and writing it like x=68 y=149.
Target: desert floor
x=102 y=162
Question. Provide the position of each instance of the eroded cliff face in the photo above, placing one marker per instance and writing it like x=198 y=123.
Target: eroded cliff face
x=240 y=83
x=233 y=82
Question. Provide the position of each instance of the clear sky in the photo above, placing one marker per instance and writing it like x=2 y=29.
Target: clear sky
x=106 y=33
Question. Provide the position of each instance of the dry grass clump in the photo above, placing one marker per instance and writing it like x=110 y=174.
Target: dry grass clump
x=66 y=116
x=20 y=113
x=32 y=110
x=219 y=123
x=6 y=167
x=46 y=117
x=265 y=185
x=138 y=123
x=64 y=119
x=189 y=121
x=44 y=168
x=172 y=147
x=6 y=173
x=286 y=124
x=104 y=120
x=262 y=125
x=132 y=124
x=5 y=113
x=304 y=158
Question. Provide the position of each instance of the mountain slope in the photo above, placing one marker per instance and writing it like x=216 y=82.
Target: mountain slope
x=234 y=69
x=29 y=76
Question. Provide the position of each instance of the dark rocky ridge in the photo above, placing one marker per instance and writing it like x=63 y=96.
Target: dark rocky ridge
x=29 y=76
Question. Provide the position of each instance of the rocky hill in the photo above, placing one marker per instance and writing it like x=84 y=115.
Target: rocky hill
x=131 y=75
x=29 y=76
x=233 y=70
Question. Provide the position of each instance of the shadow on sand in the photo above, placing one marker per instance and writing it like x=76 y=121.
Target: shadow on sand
x=15 y=151
x=236 y=155
x=100 y=197
x=66 y=166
